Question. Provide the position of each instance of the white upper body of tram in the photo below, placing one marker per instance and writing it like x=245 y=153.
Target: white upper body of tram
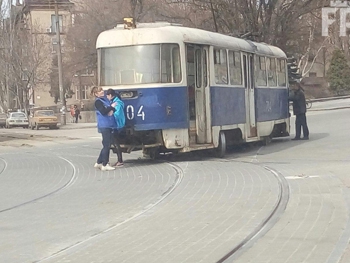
x=196 y=89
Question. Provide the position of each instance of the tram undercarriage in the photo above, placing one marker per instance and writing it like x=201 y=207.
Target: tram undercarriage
x=154 y=142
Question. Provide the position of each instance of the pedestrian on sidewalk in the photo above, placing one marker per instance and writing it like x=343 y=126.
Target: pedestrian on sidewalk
x=119 y=118
x=105 y=124
x=76 y=113
x=299 y=110
x=72 y=113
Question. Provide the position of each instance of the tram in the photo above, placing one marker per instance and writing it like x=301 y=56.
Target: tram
x=187 y=89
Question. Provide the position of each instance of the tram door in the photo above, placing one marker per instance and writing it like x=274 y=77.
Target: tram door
x=198 y=85
x=248 y=67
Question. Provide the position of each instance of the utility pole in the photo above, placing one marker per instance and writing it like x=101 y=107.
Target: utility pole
x=60 y=72
x=8 y=68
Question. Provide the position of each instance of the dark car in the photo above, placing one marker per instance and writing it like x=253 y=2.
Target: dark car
x=3 y=119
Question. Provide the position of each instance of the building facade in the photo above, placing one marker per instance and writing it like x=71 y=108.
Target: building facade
x=39 y=17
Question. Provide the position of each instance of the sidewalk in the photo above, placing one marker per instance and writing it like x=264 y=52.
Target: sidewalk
x=70 y=131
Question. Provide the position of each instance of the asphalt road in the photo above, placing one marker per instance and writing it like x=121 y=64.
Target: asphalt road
x=285 y=202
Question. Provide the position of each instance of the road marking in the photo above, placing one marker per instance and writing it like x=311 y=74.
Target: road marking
x=301 y=176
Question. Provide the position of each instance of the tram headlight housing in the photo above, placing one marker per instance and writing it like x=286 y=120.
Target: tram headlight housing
x=129 y=23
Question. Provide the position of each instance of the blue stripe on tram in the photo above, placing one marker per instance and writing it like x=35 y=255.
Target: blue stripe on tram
x=271 y=104
x=227 y=105
x=158 y=108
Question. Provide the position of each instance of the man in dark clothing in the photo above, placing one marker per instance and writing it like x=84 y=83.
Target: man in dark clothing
x=76 y=113
x=299 y=110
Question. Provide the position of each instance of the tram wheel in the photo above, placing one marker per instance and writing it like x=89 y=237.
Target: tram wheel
x=154 y=153
x=267 y=140
x=220 y=151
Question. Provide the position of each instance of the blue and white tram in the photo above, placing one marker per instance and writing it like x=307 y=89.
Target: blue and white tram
x=187 y=89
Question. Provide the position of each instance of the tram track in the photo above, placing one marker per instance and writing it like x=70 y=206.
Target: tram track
x=268 y=222
x=163 y=196
x=5 y=165
x=65 y=186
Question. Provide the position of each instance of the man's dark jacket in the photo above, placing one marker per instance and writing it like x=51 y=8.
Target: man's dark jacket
x=299 y=103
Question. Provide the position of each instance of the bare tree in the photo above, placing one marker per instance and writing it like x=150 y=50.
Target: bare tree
x=277 y=22
x=4 y=48
x=94 y=16
x=293 y=25
x=23 y=53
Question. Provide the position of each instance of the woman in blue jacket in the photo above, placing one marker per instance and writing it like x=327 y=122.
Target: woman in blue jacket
x=105 y=125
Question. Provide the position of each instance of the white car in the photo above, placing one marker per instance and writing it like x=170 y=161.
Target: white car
x=16 y=119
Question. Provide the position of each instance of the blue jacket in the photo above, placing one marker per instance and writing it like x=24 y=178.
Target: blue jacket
x=104 y=121
x=119 y=115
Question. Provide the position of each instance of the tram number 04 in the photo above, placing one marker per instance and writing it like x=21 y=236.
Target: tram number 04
x=130 y=112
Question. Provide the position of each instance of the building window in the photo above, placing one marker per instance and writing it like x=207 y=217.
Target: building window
x=82 y=92
x=53 y=23
x=87 y=72
x=55 y=46
x=312 y=74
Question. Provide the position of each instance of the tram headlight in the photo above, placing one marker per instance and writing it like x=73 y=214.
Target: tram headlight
x=127 y=94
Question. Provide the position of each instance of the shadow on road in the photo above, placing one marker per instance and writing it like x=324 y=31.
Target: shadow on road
x=238 y=151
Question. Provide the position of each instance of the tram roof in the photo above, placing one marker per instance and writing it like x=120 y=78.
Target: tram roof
x=152 y=33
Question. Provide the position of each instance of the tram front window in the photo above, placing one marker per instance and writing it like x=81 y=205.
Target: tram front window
x=140 y=64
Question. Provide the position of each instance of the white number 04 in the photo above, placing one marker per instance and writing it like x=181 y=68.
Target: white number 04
x=130 y=112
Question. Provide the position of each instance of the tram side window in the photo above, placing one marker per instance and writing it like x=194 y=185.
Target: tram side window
x=281 y=72
x=176 y=65
x=271 y=71
x=220 y=66
x=171 y=72
x=199 y=68
x=190 y=66
x=235 y=68
x=260 y=72
x=205 y=68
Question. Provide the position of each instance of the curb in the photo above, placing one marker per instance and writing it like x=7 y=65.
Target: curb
x=69 y=127
x=330 y=98
x=337 y=108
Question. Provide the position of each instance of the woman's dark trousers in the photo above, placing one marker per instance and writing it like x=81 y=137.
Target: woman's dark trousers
x=117 y=146
x=106 y=143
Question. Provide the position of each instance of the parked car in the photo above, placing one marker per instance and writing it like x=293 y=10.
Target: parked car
x=3 y=117
x=16 y=119
x=43 y=118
